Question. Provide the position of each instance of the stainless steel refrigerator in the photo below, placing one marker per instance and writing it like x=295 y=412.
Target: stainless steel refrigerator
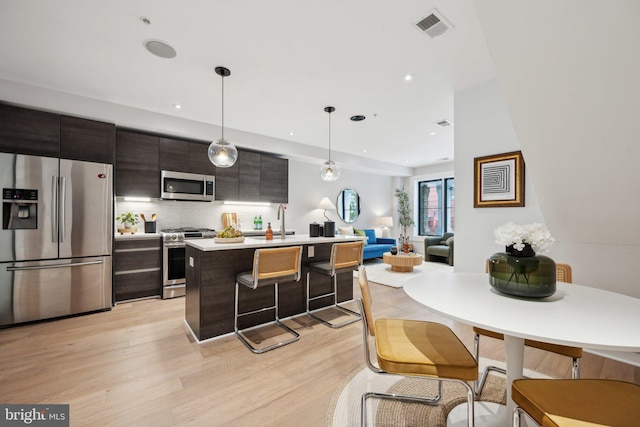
x=55 y=240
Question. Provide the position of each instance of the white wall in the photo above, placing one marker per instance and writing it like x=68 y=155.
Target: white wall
x=483 y=127
x=572 y=91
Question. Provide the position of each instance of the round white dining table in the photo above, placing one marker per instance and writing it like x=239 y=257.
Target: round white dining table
x=575 y=315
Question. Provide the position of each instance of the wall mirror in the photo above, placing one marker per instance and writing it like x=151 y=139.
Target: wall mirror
x=348 y=205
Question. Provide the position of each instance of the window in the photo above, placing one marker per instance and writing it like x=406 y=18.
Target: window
x=436 y=207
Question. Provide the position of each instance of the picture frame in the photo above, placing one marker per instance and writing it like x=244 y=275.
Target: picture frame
x=499 y=180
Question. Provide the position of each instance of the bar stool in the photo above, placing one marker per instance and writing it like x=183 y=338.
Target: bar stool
x=270 y=267
x=344 y=257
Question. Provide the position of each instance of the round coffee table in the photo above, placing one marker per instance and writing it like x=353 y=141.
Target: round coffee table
x=402 y=262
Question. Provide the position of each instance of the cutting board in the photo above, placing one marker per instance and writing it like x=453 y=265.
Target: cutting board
x=229 y=218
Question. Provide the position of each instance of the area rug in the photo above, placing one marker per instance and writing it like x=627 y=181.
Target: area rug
x=344 y=410
x=379 y=272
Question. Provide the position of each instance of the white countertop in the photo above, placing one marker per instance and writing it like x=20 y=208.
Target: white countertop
x=257 y=242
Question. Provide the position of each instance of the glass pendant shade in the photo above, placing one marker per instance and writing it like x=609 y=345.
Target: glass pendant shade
x=329 y=171
x=222 y=153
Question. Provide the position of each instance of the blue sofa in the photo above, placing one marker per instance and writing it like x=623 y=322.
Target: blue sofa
x=375 y=247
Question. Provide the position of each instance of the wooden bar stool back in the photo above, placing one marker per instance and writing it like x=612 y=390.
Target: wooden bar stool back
x=345 y=256
x=271 y=267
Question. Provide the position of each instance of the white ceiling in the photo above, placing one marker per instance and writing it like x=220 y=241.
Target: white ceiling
x=288 y=60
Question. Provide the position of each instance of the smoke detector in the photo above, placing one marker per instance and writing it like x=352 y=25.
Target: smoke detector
x=433 y=25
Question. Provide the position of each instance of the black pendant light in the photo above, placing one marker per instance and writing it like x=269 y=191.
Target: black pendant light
x=329 y=171
x=222 y=153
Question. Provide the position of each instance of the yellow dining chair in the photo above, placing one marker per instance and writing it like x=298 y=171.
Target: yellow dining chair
x=271 y=267
x=344 y=257
x=563 y=274
x=574 y=403
x=414 y=348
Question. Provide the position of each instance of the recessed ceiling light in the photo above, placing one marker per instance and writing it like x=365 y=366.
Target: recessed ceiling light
x=408 y=77
x=357 y=118
x=177 y=106
x=364 y=151
x=291 y=133
x=432 y=133
x=160 y=49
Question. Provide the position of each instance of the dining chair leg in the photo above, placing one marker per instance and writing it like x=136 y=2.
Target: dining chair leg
x=575 y=368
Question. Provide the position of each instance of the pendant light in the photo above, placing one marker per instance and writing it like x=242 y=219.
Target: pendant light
x=329 y=171
x=222 y=153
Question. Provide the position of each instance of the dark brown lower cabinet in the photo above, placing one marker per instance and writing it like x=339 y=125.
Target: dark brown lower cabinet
x=137 y=268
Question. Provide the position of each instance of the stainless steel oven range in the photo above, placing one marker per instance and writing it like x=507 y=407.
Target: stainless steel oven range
x=173 y=259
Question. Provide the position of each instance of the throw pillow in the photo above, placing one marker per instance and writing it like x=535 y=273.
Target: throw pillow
x=361 y=233
x=449 y=241
x=346 y=230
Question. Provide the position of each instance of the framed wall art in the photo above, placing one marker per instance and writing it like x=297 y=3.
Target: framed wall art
x=499 y=181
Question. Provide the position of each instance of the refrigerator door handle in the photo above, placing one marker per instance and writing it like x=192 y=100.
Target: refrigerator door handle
x=61 y=204
x=54 y=210
x=44 y=267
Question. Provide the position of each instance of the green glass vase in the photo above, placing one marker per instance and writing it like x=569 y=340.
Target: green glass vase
x=522 y=273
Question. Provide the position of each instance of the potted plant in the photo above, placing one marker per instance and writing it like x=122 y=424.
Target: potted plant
x=405 y=217
x=128 y=219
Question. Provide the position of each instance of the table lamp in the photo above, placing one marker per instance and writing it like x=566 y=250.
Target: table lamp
x=329 y=226
x=386 y=221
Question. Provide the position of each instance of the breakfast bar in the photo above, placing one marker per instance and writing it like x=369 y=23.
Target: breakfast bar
x=211 y=269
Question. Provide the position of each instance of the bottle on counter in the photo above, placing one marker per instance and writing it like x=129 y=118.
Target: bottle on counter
x=259 y=222
x=269 y=233
x=255 y=222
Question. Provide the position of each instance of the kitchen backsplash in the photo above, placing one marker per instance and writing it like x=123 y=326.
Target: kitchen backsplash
x=172 y=214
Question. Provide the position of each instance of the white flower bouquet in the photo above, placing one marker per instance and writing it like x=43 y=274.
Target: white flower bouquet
x=536 y=235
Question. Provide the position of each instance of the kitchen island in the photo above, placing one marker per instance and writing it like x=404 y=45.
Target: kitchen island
x=211 y=270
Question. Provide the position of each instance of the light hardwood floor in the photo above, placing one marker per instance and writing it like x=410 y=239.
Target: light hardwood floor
x=137 y=365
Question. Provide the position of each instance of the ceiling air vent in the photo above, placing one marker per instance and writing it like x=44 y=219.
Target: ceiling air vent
x=444 y=123
x=434 y=24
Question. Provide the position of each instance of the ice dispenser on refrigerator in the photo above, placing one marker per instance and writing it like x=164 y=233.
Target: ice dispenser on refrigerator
x=19 y=209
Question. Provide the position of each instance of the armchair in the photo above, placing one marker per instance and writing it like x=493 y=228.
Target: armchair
x=439 y=248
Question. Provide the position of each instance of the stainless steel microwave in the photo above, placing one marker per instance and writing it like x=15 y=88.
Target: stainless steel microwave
x=187 y=186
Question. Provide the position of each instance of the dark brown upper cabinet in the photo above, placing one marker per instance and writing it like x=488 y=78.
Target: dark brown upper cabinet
x=199 y=159
x=31 y=132
x=227 y=181
x=185 y=156
x=255 y=177
x=88 y=140
x=249 y=176
x=274 y=179
x=174 y=155
x=137 y=172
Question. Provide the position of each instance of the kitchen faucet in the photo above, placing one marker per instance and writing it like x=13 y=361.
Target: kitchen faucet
x=282 y=207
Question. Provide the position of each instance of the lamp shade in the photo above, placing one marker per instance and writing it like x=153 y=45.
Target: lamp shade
x=325 y=203
x=387 y=221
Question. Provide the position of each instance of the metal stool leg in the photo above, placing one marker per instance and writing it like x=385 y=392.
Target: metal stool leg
x=245 y=341
x=335 y=306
